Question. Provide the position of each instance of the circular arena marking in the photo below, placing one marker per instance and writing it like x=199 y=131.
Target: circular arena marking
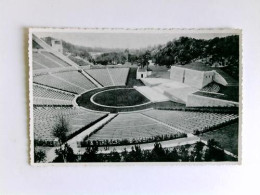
x=114 y=99
x=119 y=97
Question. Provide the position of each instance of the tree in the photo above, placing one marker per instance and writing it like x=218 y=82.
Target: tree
x=124 y=155
x=60 y=130
x=214 y=151
x=114 y=156
x=127 y=54
x=65 y=154
x=183 y=152
x=39 y=156
x=90 y=155
x=111 y=58
x=158 y=153
x=135 y=155
x=197 y=151
x=173 y=155
x=144 y=59
x=133 y=58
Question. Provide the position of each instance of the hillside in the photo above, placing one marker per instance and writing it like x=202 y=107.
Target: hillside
x=111 y=58
x=76 y=53
x=218 y=52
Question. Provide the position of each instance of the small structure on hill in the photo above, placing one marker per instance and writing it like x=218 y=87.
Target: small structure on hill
x=195 y=77
x=199 y=75
x=142 y=73
x=57 y=45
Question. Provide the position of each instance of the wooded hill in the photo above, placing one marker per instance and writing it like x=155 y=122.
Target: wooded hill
x=220 y=52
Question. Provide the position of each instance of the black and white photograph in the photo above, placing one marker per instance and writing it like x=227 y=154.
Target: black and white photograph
x=143 y=95
x=129 y=97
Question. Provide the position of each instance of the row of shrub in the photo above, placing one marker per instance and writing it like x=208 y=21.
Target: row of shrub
x=46 y=143
x=226 y=110
x=118 y=142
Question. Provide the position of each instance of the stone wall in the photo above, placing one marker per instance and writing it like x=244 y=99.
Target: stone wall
x=194 y=78
x=207 y=78
x=177 y=74
x=180 y=95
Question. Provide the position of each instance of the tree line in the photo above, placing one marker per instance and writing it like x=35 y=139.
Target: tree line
x=186 y=153
x=218 y=51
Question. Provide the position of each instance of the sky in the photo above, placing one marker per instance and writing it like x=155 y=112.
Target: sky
x=123 y=40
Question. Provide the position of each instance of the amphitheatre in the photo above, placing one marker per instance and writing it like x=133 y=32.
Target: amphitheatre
x=189 y=103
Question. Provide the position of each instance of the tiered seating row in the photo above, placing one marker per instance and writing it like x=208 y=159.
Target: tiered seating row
x=212 y=87
x=119 y=75
x=76 y=78
x=45 y=119
x=37 y=66
x=55 y=59
x=53 y=70
x=101 y=76
x=52 y=81
x=39 y=91
x=131 y=126
x=190 y=121
x=41 y=59
x=48 y=101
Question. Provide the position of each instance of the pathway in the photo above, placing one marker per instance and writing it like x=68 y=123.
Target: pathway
x=111 y=77
x=147 y=146
x=91 y=79
x=50 y=155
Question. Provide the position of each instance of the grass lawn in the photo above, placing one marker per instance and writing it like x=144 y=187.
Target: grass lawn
x=84 y=101
x=120 y=97
x=159 y=72
x=227 y=137
x=232 y=92
x=131 y=79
